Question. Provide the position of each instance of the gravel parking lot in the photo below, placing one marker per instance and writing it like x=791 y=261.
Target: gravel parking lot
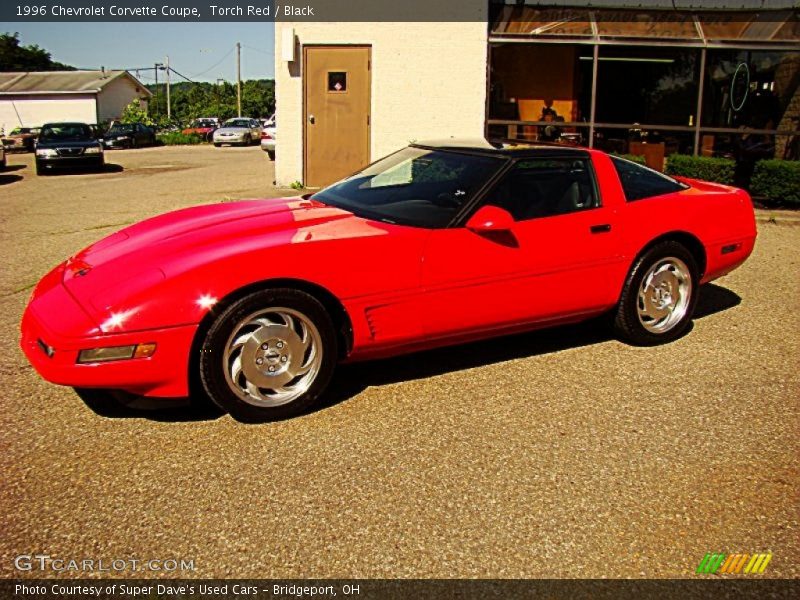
x=560 y=453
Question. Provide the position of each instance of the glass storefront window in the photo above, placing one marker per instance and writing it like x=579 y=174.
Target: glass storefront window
x=644 y=85
x=750 y=89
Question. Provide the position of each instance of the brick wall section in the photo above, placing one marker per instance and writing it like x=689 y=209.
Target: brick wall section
x=428 y=81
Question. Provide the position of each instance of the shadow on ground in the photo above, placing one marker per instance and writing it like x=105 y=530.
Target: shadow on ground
x=351 y=380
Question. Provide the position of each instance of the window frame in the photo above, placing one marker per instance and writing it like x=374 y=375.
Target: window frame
x=480 y=199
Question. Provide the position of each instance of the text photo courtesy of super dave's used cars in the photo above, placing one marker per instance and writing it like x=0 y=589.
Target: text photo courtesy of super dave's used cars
x=462 y=320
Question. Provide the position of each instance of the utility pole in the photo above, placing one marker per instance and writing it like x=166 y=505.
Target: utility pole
x=155 y=70
x=169 y=107
x=239 y=79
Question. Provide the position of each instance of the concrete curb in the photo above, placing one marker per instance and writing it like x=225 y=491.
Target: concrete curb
x=777 y=217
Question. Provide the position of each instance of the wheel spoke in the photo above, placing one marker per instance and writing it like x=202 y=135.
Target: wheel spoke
x=273 y=357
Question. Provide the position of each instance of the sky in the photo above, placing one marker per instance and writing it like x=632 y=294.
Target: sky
x=200 y=51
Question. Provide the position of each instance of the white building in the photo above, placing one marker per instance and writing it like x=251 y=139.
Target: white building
x=31 y=99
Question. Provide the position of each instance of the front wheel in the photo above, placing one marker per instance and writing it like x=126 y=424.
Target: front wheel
x=659 y=296
x=271 y=154
x=269 y=356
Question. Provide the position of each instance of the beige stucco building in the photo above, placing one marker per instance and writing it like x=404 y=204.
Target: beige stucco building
x=425 y=81
x=628 y=76
x=31 y=99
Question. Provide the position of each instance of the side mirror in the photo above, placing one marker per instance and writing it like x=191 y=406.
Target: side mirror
x=491 y=218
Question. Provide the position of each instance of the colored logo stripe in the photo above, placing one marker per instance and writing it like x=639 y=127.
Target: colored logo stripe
x=733 y=563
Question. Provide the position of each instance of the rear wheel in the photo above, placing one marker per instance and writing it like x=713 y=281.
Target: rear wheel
x=271 y=154
x=269 y=355
x=659 y=296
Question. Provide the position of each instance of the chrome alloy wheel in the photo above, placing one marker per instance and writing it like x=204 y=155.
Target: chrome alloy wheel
x=664 y=295
x=272 y=357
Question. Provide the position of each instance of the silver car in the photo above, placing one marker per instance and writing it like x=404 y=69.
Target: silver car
x=239 y=130
x=268 y=138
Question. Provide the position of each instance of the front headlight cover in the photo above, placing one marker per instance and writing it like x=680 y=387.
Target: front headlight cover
x=93 y=150
x=46 y=152
x=111 y=353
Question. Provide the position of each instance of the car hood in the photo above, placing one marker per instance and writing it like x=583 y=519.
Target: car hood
x=67 y=143
x=137 y=259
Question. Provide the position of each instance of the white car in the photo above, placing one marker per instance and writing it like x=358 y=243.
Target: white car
x=239 y=130
x=268 y=139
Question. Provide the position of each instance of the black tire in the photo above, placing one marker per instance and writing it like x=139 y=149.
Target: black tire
x=271 y=154
x=212 y=353
x=627 y=322
x=217 y=145
x=40 y=170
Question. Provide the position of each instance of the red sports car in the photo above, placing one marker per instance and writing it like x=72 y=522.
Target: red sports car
x=436 y=244
x=203 y=127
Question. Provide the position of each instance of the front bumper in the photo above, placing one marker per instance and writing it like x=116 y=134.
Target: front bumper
x=239 y=138
x=71 y=162
x=118 y=143
x=55 y=328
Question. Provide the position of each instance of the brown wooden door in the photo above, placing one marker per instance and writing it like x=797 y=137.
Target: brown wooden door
x=337 y=104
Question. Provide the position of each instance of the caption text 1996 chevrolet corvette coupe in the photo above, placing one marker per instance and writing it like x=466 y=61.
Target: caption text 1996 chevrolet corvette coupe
x=439 y=243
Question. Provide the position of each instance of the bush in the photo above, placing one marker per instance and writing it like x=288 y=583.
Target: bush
x=777 y=181
x=176 y=138
x=719 y=170
x=638 y=159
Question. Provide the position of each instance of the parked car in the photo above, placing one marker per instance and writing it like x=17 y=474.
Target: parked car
x=69 y=146
x=268 y=139
x=202 y=127
x=240 y=131
x=3 y=163
x=129 y=136
x=22 y=138
x=439 y=243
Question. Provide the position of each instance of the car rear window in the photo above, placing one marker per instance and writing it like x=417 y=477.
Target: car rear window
x=640 y=182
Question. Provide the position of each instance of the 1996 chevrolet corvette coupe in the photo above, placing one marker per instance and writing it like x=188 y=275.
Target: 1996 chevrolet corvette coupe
x=439 y=243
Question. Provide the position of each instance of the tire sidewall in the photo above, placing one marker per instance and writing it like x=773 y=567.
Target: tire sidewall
x=634 y=330
x=212 y=350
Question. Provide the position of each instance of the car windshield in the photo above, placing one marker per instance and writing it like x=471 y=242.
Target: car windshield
x=237 y=123
x=19 y=130
x=202 y=124
x=65 y=131
x=118 y=129
x=415 y=186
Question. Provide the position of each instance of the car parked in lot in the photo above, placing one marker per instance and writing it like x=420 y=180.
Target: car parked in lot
x=239 y=131
x=68 y=146
x=268 y=139
x=3 y=163
x=129 y=136
x=439 y=243
x=202 y=127
x=22 y=138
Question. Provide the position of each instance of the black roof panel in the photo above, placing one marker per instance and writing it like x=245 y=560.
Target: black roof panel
x=508 y=149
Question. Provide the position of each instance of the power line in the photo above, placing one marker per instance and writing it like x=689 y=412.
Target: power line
x=215 y=65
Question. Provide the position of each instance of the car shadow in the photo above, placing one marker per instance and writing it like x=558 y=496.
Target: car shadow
x=6 y=178
x=11 y=168
x=352 y=379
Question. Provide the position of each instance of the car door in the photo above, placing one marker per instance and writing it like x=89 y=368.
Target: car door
x=556 y=262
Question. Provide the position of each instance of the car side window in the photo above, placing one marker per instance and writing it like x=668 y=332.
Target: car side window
x=545 y=187
x=639 y=182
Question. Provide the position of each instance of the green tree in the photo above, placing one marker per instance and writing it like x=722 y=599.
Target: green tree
x=135 y=113
x=14 y=57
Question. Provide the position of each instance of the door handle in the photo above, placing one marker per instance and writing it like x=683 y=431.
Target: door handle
x=604 y=228
x=311 y=119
